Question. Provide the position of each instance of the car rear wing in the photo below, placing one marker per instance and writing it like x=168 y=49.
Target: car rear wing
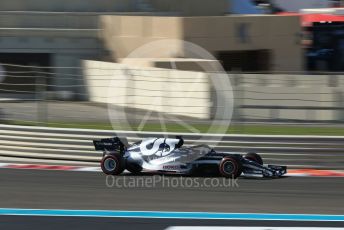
x=114 y=144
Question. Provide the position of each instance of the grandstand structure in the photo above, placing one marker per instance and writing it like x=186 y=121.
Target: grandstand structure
x=62 y=33
x=246 y=43
x=47 y=46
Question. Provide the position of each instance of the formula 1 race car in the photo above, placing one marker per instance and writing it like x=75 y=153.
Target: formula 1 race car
x=167 y=155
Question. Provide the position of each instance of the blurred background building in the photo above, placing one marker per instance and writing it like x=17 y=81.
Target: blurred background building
x=61 y=34
x=45 y=46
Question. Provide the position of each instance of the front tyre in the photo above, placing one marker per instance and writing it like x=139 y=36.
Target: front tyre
x=230 y=167
x=112 y=164
x=254 y=157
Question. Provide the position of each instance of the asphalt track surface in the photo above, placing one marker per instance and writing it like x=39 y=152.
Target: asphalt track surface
x=89 y=223
x=88 y=190
x=35 y=189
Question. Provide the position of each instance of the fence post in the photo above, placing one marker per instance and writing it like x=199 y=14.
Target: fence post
x=238 y=97
x=42 y=110
x=339 y=97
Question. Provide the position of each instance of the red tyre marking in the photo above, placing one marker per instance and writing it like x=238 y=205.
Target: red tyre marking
x=114 y=158
x=222 y=165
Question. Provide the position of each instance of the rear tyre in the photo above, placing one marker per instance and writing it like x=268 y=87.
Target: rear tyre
x=134 y=168
x=112 y=164
x=230 y=167
x=254 y=157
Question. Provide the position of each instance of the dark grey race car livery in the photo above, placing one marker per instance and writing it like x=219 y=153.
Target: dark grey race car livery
x=167 y=155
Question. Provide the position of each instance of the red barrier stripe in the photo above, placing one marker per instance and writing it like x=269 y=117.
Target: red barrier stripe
x=291 y=172
x=317 y=172
x=42 y=167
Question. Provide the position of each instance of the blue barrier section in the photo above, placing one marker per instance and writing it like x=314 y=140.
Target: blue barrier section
x=171 y=215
